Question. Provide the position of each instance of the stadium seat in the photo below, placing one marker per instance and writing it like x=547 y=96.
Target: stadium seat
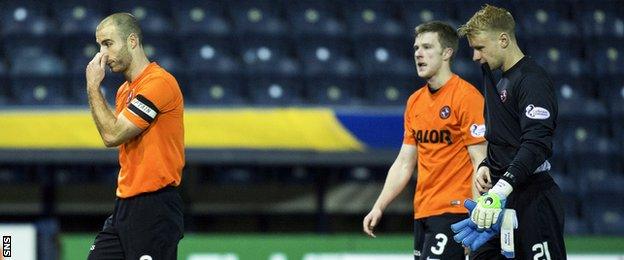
x=593 y=166
x=608 y=57
x=214 y=90
x=163 y=52
x=151 y=14
x=258 y=17
x=544 y=19
x=390 y=91
x=78 y=16
x=268 y=57
x=418 y=12
x=332 y=91
x=606 y=211
x=275 y=91
x=373 y=18
x=576 y=226
x=323 y=57
x=614 y=94
x=465 y=9
x=25 y=17
x=315 y=18
x=560 y=58
x=39 y=90
x=600 y=18
x=82 y=51
x=467 y=69
x=109 y=87
x=385 y=57
x=201 y=18
x=210 y=55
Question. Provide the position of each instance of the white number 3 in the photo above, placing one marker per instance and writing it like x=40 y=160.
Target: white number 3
x=439 y=248
x=541 y=250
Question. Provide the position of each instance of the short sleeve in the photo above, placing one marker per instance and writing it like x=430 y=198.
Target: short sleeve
x=151 y=99
x=471 y=119
x=408 y=132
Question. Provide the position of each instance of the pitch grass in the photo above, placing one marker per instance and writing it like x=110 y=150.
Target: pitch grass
x=260 y=246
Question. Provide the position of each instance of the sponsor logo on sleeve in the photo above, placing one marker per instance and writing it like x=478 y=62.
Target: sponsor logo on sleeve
x=477 y=130
x=533 y=112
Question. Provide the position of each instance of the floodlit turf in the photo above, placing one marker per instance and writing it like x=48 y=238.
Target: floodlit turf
x=294 y=246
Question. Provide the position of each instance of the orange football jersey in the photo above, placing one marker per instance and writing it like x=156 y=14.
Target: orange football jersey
x=154 y=159
x=442 y=124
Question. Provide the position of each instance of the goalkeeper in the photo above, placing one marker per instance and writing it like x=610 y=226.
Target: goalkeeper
x=520 y=112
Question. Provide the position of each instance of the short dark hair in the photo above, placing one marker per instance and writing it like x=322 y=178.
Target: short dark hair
x=446 y=34
x=126 y=24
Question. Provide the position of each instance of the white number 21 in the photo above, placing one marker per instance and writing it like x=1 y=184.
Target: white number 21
x=541 y=250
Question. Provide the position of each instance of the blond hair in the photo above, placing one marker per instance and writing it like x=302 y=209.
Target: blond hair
x=489 y=19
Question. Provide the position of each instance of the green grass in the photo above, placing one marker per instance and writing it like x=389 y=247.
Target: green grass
x=256 y=246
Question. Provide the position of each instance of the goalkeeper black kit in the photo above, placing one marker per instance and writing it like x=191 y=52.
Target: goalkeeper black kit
x=520 y=117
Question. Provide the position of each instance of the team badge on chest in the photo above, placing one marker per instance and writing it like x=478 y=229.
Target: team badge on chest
x=445 y=112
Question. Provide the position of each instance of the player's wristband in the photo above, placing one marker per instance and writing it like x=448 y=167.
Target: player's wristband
x=483 y=163
x=502 y=188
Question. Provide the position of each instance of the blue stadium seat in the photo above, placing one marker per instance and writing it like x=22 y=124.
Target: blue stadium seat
x=385 y=57
x=39 y=90
x=418 y=12
x=332 y=91
x=322 y=57
x=614 y=94
x=109 y=88
x=576 y=226
x=559 y=57
x=210 y=55
x=25 y=17
x=268 y=57
x=163 y=52
x=82 y=51
x=258 y=17
x=545 y=18
x=373 y=18
x=605 y=210
x=316 y=18
x=275 y=91
x=600 y=18
x=466 y=9
x=589 y=153
x=78 y=16
x=215 y=90
x=390 y=91
x=608 y=57
x=33 y=55
x=201 y=18
x=152 y=15
x=469 y=70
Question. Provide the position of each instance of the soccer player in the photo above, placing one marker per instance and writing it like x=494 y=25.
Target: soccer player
x=444 y=130
x=147 y=125
x=520 y=112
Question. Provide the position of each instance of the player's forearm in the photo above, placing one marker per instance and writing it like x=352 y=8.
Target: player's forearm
x=398 y=177
x=477 y=153
x=102 y=115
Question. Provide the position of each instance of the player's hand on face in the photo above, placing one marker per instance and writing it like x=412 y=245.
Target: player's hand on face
x=371 y=220
x=96 y=69
x=483 y=181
